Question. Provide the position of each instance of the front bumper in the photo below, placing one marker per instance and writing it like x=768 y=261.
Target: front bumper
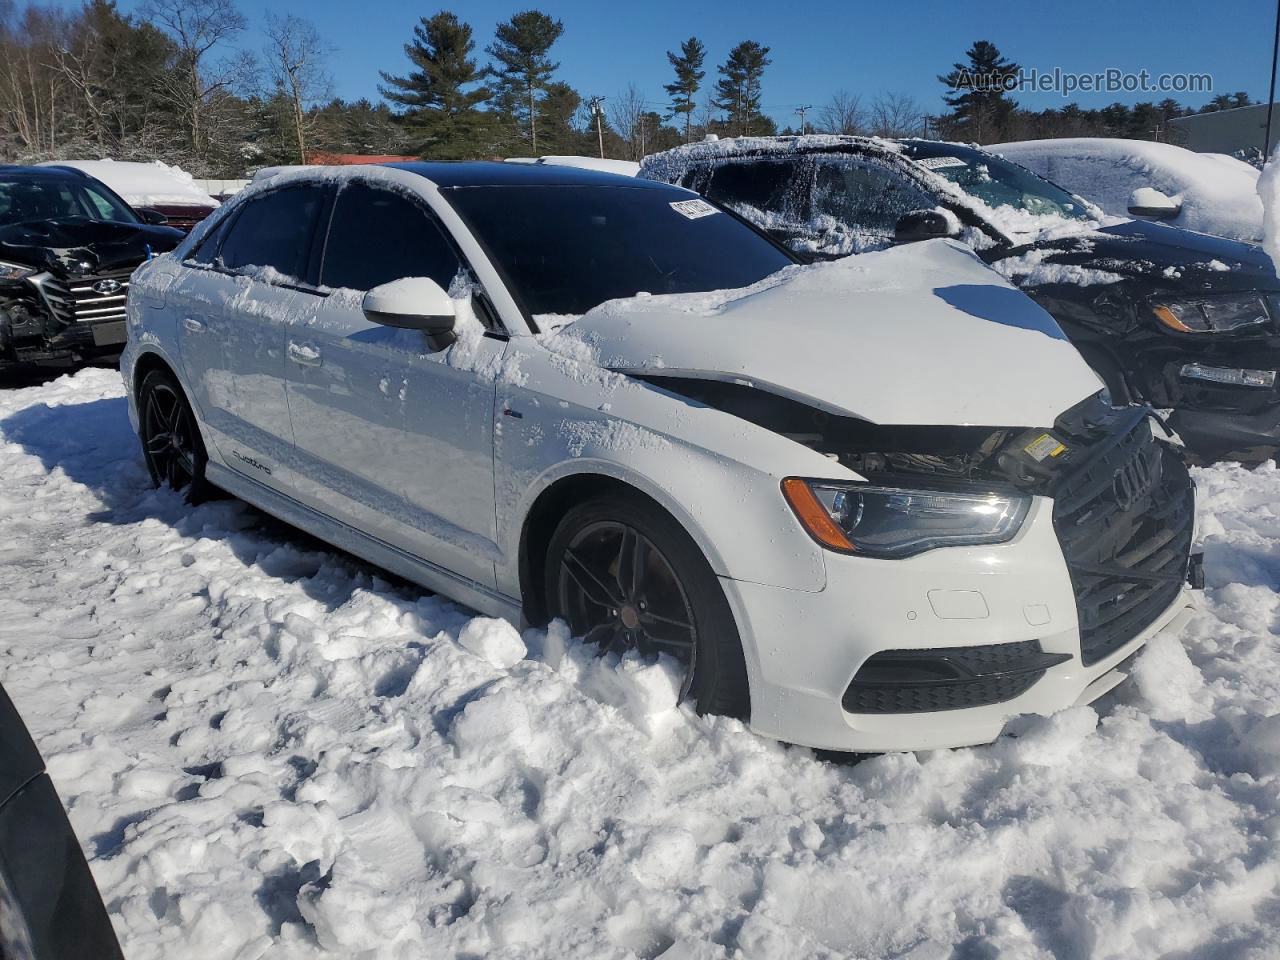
x=1216 y=435
x=804 y=649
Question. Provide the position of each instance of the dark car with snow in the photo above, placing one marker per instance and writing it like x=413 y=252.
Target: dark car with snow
x=1182 y=320
x=50 y=908
x=68 y=246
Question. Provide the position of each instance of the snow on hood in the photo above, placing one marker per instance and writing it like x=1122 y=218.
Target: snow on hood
x=144 y=184
x=920 y=334
x=1218 y=194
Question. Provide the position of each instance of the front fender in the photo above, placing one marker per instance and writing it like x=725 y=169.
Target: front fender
x=718 y=475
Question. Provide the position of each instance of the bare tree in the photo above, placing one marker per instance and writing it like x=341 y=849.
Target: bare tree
x=31 y=94
x=295 y=55
x=626 y=114
x=197 y=84
x=842 y=114
x=896 y=115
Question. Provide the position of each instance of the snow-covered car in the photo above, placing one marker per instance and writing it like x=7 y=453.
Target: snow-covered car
x=1186 y=321
x=156 y=186
x=1208 y=192
x=873 y=504
x=67 y=247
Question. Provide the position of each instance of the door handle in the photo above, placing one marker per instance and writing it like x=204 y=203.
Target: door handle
x=192 y=324
x=304 y=354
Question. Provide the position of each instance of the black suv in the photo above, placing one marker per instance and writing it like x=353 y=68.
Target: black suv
x=67 y=248
x=1183 y=320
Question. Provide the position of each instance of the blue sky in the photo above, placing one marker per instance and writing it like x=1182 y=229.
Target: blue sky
x=821 y=47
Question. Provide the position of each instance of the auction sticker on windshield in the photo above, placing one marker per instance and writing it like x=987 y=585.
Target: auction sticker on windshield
x=693 y=209
x=940 y=163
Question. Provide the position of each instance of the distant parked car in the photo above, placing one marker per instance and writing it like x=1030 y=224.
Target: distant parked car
x=151 y=186
x=50 y=908
x=1208 y=192
x=68 y=246
x=1186 y=321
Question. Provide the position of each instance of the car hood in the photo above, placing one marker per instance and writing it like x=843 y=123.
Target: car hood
x=82 y=246
x=923 y=334
x=1171 y=256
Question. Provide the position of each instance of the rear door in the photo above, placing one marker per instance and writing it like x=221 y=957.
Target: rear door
x=392 y=437
x=235 y=306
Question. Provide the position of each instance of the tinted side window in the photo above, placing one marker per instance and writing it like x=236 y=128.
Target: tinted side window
x=377 y=236
x=864 y=195
x=275 y=230
x=207 y=250
x=761 y=184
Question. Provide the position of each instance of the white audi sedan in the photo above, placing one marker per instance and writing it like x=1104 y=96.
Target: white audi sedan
x=868 y=505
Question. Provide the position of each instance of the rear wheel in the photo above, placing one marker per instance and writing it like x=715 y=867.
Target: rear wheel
x=171 y=441
x=625 y=576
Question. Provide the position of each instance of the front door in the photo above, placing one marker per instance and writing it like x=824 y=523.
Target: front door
x=392 y=437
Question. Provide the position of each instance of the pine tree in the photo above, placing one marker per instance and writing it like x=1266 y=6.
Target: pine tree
x=556 y=113
x=520 y=49
x=738 y=90
x=689 y=74
x=442 y=96
x=980 y=106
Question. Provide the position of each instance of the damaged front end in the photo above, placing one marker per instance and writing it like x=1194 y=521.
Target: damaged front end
x=1123 y=500
x=50 y=319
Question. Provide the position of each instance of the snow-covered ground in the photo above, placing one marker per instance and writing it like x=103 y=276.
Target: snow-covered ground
x=269 y=749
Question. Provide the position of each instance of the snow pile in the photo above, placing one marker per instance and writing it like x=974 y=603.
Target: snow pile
x=144 y=184
x=1218 y=193
x=268 y=749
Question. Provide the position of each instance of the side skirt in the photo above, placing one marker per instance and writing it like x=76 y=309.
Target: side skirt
x=375 y=551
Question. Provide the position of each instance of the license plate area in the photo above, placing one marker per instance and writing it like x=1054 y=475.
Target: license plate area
x=109 y=334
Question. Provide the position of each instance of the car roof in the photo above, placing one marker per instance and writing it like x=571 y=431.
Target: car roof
x=488 y=173
x=15 y=172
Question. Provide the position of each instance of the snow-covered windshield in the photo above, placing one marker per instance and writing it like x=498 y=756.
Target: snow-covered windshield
x=565 y=249
x=996 y=182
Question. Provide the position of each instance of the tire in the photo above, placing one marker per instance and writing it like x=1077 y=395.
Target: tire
x=171 y=442
x=587 y=585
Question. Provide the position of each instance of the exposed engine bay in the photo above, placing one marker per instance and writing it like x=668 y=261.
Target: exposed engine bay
x=1030 y=460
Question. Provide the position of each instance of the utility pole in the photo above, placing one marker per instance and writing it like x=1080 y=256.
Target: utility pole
x=595 y=105
x=802 y=110
x=1271 y=95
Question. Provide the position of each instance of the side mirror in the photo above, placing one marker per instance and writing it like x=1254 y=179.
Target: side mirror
x=1150 y=202
x=924 y=225
x=151 y=216
x=414 y=303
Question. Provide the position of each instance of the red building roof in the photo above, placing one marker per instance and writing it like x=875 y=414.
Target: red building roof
x=344 y=159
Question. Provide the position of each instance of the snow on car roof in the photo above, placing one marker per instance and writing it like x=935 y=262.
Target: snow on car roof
x=143 y=184
x=487 y=173
x=1218 y=193
x=1017 y=225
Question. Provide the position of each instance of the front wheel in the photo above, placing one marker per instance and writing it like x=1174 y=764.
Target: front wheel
x=625 y=576
x=171 y=441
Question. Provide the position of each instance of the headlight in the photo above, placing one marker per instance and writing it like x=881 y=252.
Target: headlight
x=14 y=271
x=1217 y=314
x=895 y=522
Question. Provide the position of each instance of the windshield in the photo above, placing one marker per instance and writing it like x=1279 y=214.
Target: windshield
x=997 y=182
x=22 y=201
x=565 y=249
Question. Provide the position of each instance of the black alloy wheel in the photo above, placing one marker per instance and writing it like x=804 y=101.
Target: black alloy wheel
x=625 y=576
x=171 y=442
